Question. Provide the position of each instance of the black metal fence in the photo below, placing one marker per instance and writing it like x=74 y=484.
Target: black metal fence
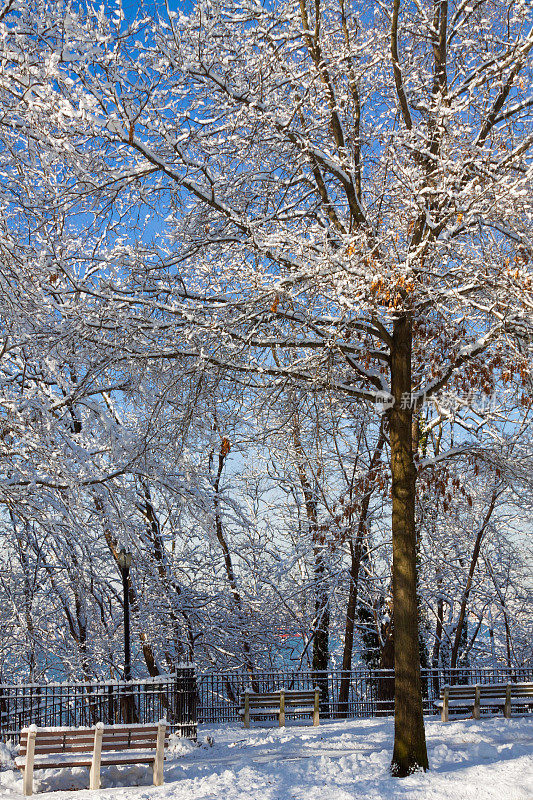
x=370 y=694
x=83 y=704
x=185 y=698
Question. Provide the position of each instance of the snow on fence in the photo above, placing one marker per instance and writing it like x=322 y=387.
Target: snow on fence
x=83 y=704
x=370 y=692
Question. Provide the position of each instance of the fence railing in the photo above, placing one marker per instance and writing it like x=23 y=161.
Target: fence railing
x=370 y=692
x=83 y=704
x=185 y=698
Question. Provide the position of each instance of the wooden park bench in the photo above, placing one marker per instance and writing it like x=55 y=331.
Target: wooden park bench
x=52 y=748
x=280 y=703
x=493 y=695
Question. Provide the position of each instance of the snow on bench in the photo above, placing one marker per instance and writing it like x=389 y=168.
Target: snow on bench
x=492 y=695
x=49 y=748
x=281 y=702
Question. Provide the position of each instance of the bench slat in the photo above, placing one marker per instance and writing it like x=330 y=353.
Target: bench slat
x=55 y=761
x=86 y=735
x=264 y=701
x=86 y=745
x=134 y=730
x=296 y=701
x=125 y=745
x=274 y=698
x=87 y=748
x=84 y=730
x=272 y=712
x=88 y=740
x=288 y=693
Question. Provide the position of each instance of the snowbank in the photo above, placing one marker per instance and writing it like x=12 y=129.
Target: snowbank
x=490 y=759
x=6 y=757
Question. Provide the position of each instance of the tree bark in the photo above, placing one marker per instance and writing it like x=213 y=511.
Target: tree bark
x=410 y=753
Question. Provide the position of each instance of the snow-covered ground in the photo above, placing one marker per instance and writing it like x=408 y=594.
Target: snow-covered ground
x=470 y=760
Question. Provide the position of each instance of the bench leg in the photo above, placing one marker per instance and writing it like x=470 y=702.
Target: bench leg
x=28 y=780
x=30 y=757
x=94 y=774
x=282 y=708
x=159 y=753
x=444 y=711
x=507 y=706
x=316 y=708
x=477 y=710
x=246 y=709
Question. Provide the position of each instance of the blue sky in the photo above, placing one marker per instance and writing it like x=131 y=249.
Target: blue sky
x=131 y=6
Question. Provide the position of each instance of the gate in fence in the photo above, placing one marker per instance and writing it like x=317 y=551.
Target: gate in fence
x=370 y=694
x=83 y=704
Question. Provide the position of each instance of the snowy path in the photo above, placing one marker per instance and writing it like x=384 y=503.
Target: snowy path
x=270 y=756
x=487 y=760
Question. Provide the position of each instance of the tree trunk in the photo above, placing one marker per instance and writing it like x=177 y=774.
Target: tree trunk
x=322 y=615
x=470 y=581
x=508 y=640
x=321 y=619
x=344 y=689
x=439 y=630
x=243 y=634
x=410 y=751
x=112 y=543
x=169 y=584
x=356 y=554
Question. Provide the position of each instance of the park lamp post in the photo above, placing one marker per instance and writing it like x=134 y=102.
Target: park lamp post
x=124 y=562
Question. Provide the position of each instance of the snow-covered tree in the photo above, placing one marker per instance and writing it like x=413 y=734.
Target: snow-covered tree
x=343 y=202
